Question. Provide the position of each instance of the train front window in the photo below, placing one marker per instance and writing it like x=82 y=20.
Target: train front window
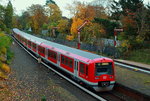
x=103 y=68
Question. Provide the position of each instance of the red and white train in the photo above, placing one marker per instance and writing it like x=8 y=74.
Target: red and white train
x=93 y=70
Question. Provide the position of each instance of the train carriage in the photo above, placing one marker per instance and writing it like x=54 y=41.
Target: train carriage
x=93 y=70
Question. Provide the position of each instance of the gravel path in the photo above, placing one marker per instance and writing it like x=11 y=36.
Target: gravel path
x=30 y=81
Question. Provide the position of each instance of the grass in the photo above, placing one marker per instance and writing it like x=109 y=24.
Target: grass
x=141 y=55
x=133 y=79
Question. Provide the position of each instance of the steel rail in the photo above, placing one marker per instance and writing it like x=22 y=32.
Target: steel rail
x=135 y=68
x=71 y=81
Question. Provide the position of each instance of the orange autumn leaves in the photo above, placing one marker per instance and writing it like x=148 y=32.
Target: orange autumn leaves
x=83 y=12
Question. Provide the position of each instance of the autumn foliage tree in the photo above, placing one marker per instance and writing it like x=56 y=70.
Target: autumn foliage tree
x=83 y=12
x=133 y=15
x=63 y=26
x=54 y=13
x=92 y=32
x=38 y=17
x=54 y=16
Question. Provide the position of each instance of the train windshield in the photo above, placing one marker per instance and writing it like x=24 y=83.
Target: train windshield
x=103 y=68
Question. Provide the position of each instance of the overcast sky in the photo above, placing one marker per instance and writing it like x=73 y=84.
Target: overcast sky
x=22 y=5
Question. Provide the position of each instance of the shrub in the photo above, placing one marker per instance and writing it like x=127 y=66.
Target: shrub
x=5 y=68
x=2 y=75
x=10 y=55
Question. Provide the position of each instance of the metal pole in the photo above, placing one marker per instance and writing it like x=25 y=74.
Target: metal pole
x=79 y=29
x=79 y=39
x=115 y=39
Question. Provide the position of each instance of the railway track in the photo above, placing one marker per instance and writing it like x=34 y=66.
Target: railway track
x=133 y=67
x=106 y=96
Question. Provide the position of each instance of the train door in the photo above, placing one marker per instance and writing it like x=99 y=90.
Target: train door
x=76 y=68
x=58 y=59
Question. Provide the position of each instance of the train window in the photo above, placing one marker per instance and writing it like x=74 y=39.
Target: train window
x=82 y=68
x=55 y=55
x=34 y=45
x=62 y=60
x=86 y=70
x=66 y=61
x=52 y=54
x=29 y=43
x=26 y=41
x=49 y=53
x=23 y=39
x=41 y=49
x=20 y=38
x=70 y=63
x=103 y=68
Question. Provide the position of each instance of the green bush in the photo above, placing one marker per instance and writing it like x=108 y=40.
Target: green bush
x=5 y=43
x=10 y=55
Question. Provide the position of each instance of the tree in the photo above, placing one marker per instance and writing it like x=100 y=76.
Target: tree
x=108 y=26
x=92 y=33
x=2 y=13
x=147 y=36
x=54 y=13
x=134 y=18
x=8 y=15
x=54 y=16
x=16 y=22
x=25 y=20
x=125 y=7
x=2 y=17
x=38 y=17
x=63 y=26
x=81 y=12
x=102 y=8
x=50 y=2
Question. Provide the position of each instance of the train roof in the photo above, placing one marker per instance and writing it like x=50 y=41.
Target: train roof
x=84 y=54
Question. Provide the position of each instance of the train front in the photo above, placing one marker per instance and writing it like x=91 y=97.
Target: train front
x=104 y=74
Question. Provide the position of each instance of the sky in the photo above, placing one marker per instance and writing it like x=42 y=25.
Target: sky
x=22 y=5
